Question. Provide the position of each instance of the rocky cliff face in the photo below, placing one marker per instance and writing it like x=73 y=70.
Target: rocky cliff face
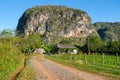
x=56 y=22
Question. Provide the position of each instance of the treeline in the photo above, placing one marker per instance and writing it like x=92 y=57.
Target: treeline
x=93 y=45
x=29 y=44
x=96 y=45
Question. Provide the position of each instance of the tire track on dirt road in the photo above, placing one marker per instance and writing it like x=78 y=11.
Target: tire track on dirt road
x=42 y=73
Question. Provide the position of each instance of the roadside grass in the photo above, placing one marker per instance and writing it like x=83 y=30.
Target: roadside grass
x=80 y=65
x=27 y=73
x=10 y=59
x=29 y=56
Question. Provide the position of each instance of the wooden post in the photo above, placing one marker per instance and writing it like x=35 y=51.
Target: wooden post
x=75 y=57
x=116 y=60
x=93 y=58
x=85 y=58
x=79 y=56
x=102 y=59
x=68 y=57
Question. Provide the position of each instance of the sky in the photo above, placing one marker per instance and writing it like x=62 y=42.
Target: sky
x=98 y=10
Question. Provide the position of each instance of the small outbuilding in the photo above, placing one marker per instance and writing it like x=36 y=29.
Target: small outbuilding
x=67 y=48
x=39 y=51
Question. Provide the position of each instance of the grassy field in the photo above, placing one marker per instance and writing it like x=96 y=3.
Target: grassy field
x=10 y=59
x=96 y=59
x=91 y=63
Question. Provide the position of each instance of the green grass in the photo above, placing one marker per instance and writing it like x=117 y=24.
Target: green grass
x=10 y=60
x=78 y=61
x=27 y=73
x=96 y=59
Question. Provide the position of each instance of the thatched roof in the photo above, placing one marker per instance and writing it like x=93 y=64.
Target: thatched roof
x=65 y=46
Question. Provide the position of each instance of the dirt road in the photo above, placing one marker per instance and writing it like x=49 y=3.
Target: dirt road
x=48 y=70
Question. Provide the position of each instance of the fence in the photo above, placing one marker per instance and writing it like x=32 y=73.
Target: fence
x=110 y=61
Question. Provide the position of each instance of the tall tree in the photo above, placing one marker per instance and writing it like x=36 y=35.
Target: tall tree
x=7 y=33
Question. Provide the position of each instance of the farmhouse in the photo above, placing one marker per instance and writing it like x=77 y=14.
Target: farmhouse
x=39 y=51
x=66 y=49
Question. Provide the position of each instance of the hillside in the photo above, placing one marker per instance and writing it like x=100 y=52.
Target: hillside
x=108 y=31
x=56 y=24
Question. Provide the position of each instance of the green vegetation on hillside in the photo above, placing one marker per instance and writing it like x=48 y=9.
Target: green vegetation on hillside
x=108 y=31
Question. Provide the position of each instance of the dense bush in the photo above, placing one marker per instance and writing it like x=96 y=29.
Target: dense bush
x=49 y=48
x=29 y=44
x=96 y=45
